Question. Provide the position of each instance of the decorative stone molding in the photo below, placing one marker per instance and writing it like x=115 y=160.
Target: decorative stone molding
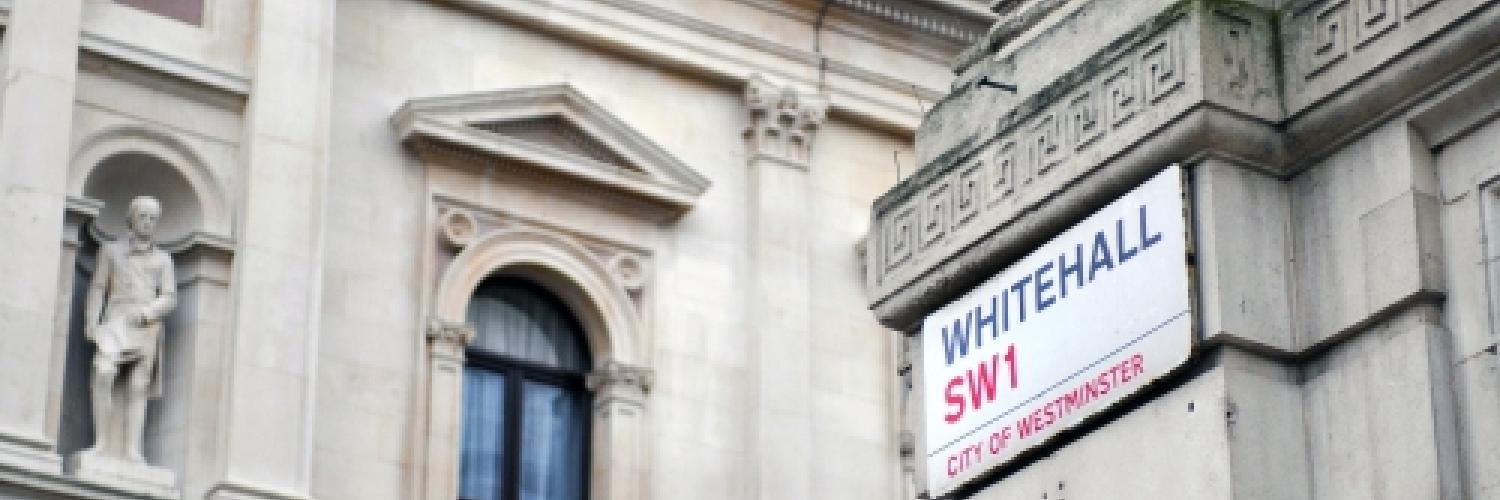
x=613 y=376
x=629 y=264
x=447 y=339
x=1016 y=17
x=113 y=48
x=598 y=148
x=1331 y=42
x=783 y=121
x=965 y=26
x=458 y=227
x=674 y=39
x=1005 y=168
x=631 y=271
x=1201 y=78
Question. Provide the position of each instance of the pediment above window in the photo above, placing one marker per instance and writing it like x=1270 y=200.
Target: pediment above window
x=556 y=131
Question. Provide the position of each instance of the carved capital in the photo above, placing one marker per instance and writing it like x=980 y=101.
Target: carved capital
x=783 y=121
x=446 y=339
x=616 y=381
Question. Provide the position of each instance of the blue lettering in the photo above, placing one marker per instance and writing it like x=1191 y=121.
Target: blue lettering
x=1126 y=252
x=986 y=319
x=1043 y=283
x=1101 y=258
x=957 y=341
x=1147 y=241
x=1020 y=289
x=1004 y=311
x=1076 y=269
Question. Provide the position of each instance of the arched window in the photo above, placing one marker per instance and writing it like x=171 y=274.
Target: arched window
x=525 y=408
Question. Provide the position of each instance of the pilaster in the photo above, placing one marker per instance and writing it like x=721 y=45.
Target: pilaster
x=446 y=342
x=783 y=123
x=620 y=461
x=39 y=62
x=278 y=264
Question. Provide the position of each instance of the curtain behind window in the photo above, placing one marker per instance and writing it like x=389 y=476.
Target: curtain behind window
x=481 y=474
x=519 y=322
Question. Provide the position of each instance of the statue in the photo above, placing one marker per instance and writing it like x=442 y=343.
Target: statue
x=132 y=291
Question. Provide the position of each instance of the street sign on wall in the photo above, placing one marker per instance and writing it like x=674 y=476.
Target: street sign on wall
x=1085 y=320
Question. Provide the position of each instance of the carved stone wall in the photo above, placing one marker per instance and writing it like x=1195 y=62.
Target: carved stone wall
x=1339 y=174
x=1200 y=77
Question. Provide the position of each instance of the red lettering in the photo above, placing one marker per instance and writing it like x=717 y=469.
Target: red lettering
x=954 y=400
x=984 y=390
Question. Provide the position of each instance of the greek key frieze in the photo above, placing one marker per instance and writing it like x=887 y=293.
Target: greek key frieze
x=1001 y=174
x=1083 y=119
x=936 y=214
x=1413 y=8
x=900 y=238
x=1328 y=38
x=1122 y=92
x=968 y=193
x=1162 y=68
x=1374 y=19
x=1020 y=162
x=1333 y=29
x=1046 y=146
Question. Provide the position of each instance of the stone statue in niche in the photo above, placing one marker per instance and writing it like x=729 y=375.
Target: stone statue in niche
x=130 y=295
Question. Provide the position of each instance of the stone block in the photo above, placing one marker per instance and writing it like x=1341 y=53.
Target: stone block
x=1243 y=243
x=1379 y=423
x=1267 y=441
x=135 y=477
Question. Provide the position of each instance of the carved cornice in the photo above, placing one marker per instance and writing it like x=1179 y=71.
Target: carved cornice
x=470 y=122
x=947 y=19
x=783 y=121
x=1017 y=16
x=680 y=41
x=872 y=28
x=194 y=71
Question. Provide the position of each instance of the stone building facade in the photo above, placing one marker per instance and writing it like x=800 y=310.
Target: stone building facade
x=686 y=182
x=1341 y=162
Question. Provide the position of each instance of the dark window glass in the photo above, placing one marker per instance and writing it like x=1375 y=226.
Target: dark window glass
x=525 y=415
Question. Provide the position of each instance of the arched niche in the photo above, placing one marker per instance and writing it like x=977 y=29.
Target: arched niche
x=154 y=161
x=110 y=168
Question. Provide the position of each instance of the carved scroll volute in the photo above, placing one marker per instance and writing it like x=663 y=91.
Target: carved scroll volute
x=447 y=340
x=614 y=382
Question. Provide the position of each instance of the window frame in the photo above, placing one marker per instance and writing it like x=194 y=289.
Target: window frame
x=516 y=372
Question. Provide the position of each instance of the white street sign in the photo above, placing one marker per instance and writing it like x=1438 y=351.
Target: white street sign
x=1085 y=320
